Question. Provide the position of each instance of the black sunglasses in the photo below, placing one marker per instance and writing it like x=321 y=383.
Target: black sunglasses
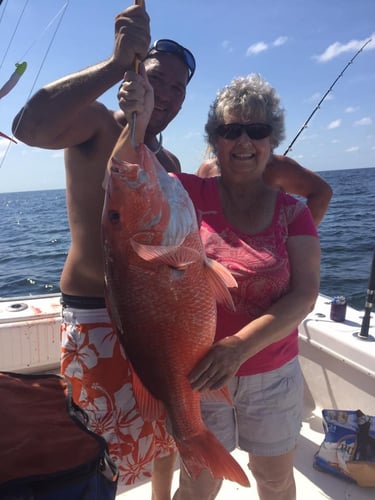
x=165 y=45
x=254 y=131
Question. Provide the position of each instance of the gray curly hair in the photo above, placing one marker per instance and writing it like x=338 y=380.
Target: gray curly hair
x=250 y=98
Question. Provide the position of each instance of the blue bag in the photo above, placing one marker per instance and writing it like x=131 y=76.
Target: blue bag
x=46 y=450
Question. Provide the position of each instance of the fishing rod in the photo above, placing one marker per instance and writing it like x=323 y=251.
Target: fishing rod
x=322 y=99
x=370 y=299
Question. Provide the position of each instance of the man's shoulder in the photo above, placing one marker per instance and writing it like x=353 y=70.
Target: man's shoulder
x=169 y=161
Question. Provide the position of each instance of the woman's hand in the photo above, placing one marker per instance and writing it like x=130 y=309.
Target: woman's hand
x=219 y=365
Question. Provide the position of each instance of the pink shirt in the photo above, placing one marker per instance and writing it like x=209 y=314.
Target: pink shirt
x=259 y=262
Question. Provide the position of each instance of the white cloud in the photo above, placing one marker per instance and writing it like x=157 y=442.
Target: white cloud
x=314 y=98
x=353 y=149
x=351 y=109
x=317 y=96
x=337 y=48
x=227 y=45
x=192 y=134
x=5 y=144
x=57 y=154
x=334 y=124
x=363 y=121
x=281 y=40
x=308 y=137
x=256 y=48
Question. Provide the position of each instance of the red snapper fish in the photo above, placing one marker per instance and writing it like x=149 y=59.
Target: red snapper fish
x=161 y=291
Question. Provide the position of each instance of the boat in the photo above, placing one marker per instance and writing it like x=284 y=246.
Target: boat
x=338 y=367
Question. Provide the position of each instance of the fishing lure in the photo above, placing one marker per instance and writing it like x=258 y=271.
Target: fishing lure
x=8 y=86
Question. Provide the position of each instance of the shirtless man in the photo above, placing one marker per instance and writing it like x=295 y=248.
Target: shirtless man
x=284 y=173
x=66 y=115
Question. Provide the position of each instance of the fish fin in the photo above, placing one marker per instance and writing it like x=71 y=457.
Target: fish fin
x=150 y=408
x=219 y=279
x=221 y=394
x=178 y=257
x=204 y=451
x=181 y=258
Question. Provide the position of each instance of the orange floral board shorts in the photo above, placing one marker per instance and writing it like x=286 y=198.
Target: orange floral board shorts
x=94 y=362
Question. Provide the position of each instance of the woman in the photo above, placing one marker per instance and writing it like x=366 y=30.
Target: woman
x=269 y=242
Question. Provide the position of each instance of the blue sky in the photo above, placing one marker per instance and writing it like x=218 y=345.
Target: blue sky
x=299 y=46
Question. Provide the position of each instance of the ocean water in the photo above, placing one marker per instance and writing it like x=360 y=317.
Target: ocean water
x=34 y=238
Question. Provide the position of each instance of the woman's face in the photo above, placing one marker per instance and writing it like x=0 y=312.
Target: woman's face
x=243 y=155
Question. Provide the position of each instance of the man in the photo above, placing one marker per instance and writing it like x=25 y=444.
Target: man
x=65 y=114
x=284 y=173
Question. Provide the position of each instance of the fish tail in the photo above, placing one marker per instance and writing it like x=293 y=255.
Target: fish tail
x=204 y=451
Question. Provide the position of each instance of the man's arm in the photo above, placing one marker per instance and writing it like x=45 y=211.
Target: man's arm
x=60 y=114
x=208 y=168
x=285 y=173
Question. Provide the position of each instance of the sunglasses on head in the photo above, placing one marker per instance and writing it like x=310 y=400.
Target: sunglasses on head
x=171 y=47
x=255 y=131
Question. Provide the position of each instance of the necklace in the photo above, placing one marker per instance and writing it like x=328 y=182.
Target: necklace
x=160 y=145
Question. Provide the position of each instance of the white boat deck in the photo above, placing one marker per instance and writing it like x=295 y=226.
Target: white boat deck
x=311 y=484
x=339 y=371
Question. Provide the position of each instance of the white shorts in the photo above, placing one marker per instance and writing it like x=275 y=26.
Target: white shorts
x=266 y=415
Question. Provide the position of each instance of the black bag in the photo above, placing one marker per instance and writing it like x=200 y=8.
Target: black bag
x=46 y=450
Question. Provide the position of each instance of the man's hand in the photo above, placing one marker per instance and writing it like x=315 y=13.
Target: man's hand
x=132 y=36
x=136 y=95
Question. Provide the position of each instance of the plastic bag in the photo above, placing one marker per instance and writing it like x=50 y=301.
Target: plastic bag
x=348 y=449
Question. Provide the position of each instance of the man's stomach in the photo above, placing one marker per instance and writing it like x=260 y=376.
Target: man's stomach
x=83 y=276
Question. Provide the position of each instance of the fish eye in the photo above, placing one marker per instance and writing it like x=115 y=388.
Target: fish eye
x=114 y=216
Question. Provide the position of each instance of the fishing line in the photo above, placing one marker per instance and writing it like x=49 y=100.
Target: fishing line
x=63 y=8
x=62 y=11
x=3 y=11
x=322 y=99
x=14 y=33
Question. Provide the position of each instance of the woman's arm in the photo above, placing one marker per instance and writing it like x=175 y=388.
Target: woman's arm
x=277 y=322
